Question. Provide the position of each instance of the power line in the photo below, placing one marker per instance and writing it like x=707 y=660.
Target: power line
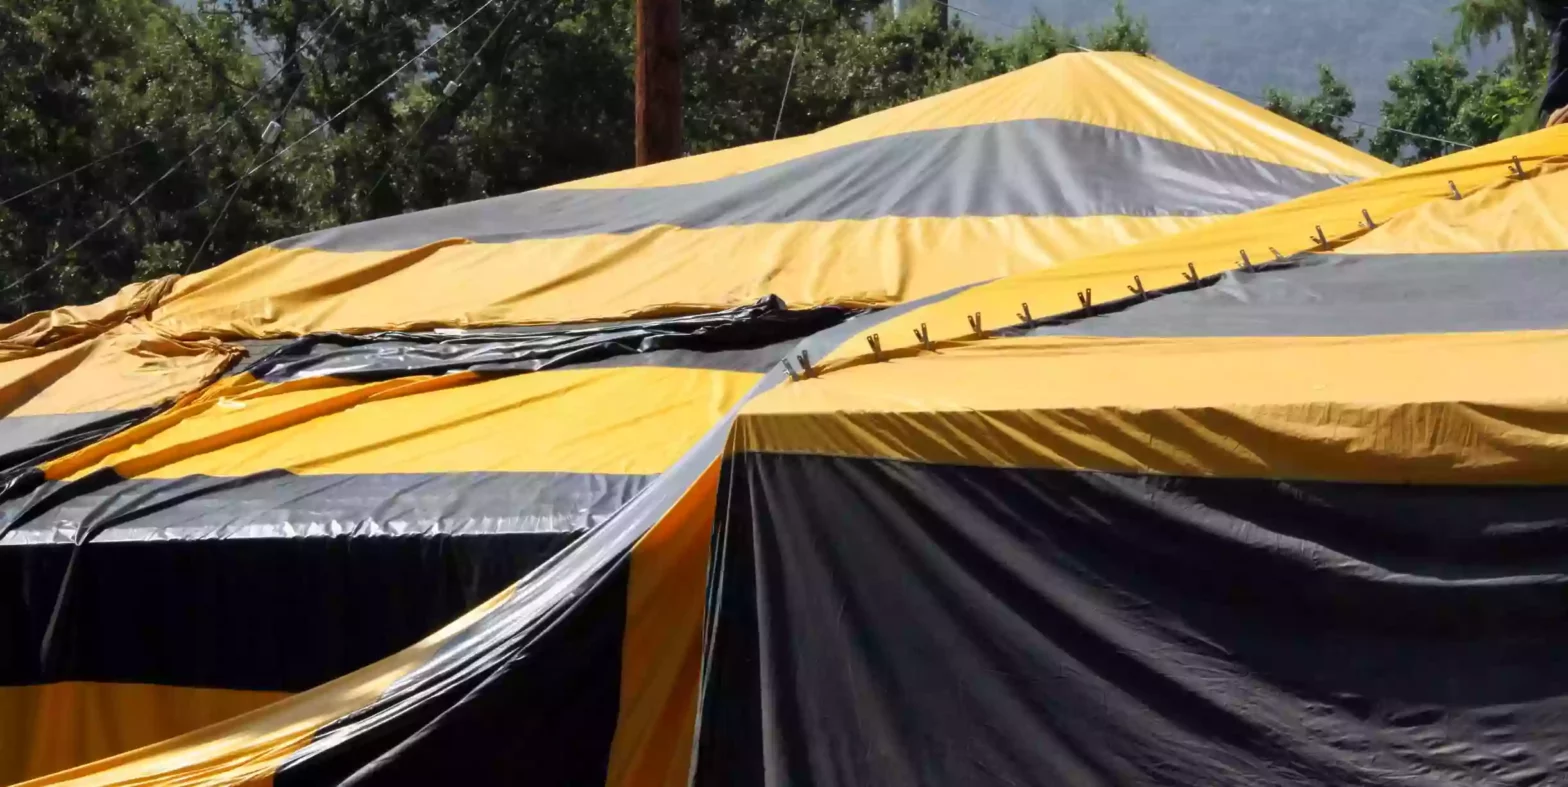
x=279 y=116
x=112 y=219
x=446 y=93
x=389 y=77
x=1263 y=102
x=323 y=124
x=55 y=259
x=800 y=41
x=1408 y=133
x=978 y=15
x=139 y=197
x=89 y=165
x=255 y=94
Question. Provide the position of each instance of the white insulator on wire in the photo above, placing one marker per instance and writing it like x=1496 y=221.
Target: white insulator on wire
x=270 y=134
x=451 y=87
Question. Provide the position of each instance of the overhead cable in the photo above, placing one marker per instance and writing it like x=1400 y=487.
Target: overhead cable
x=800 y=41
x=255 y=94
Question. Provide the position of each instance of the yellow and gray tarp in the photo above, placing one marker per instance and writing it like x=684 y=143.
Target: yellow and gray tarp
x=521 y=491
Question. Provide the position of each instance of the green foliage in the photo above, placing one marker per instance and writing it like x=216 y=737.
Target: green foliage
x=81 y=80
x=1437 y=105
x=1325 y=112
x=1123 y=33
x=1483 y=22
x=1440 y=100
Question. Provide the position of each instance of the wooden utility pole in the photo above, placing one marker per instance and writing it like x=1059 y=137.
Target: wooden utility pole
x=658 y=80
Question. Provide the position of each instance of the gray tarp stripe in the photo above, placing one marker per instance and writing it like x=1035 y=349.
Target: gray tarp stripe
x=279 y=504
x=1024 y=167
x=403 y=358
x=18 y=432
x=1360 y=295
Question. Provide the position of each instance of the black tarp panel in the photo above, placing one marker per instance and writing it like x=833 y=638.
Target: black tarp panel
x=750 y=338
x=267 y=614
x=910 y=624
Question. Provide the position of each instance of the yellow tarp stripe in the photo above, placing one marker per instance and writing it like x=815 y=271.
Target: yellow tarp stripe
x=1480 y=408
x=625 y=420
x=661 y=651
x=1509 y=215
x=126 y=368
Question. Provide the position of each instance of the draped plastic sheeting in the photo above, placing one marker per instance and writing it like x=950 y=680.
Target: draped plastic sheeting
x=1197 y=541
x=520 y=491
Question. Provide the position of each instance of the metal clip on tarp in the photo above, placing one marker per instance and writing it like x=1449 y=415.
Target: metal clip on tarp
x=1136 y=288
x=805 y=364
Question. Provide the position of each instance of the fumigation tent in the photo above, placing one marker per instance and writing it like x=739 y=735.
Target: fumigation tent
x=1085 y=425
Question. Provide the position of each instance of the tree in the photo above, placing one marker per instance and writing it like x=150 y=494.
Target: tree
x=1436 y=102
x=1123 y=33
x=133 y=82
x=1483 y=21
x=1324 y=113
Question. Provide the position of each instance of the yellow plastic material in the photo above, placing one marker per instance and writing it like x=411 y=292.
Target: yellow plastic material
x=57 y=328
x=52 y=727
x=1472 y=408
x=125 y=368
x=661 y=649
x=642 y=419
x=1382 y=409
x=1529 y=214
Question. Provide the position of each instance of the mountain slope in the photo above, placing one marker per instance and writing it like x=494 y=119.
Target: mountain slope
x=1245 y=46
